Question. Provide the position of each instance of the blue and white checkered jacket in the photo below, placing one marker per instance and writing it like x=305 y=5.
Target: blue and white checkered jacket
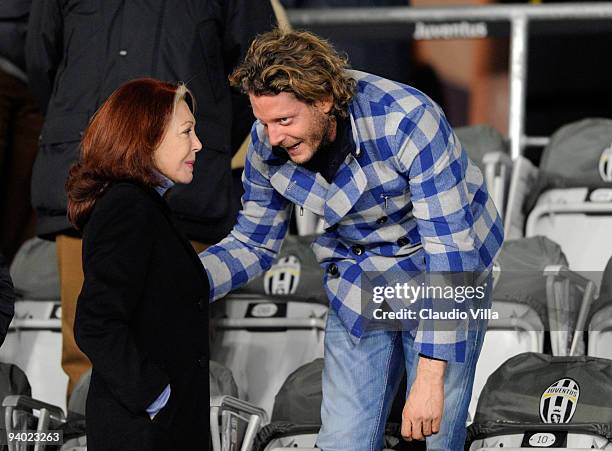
x=407 y=199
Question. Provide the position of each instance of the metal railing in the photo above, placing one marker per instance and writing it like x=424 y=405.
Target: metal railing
x=519 y=17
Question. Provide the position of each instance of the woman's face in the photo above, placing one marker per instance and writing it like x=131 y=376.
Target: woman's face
x=176 y=154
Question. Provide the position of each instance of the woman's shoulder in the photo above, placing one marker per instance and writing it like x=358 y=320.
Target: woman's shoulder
x=126 y=189
x=125 y=201
x=127 y=193
x=125 y=216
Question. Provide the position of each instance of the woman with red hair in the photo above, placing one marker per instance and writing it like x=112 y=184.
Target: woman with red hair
x=142 y=315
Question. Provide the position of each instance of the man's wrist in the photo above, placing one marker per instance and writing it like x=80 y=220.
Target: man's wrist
x=431 y=369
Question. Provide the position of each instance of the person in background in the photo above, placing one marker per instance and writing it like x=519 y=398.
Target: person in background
x=140 y=318
x=20 y=124
x=80 y=51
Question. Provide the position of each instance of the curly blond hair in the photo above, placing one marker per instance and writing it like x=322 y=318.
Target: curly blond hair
x=296 y=62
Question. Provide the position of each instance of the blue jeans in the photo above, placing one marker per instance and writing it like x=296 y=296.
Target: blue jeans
x=360 y=382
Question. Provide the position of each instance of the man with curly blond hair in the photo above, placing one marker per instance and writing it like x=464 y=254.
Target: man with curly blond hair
x=378 y=162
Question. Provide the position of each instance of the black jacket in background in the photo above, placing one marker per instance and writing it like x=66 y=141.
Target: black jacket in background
x=79 y=51
x=142 y=319
x=7 y=299
x=13 y=27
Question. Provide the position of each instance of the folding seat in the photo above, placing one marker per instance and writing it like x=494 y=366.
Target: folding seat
x=568 y=198
x=600 y=319
x=519 y=300
x=296 y=417
x=34 y=339
x=233 y=422
x=488 y=149
x=274 y=324
x=536 y=400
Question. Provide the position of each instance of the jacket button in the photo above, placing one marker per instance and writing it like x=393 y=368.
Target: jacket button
x=202 y=362
x=357 y=249
x=382 y=220
x=332 y=270
x=201 y=305
x=123 y=52
x=403 y=241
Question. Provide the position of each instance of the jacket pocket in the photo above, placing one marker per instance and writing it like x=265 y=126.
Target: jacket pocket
x=394 y=200
x=409 y=250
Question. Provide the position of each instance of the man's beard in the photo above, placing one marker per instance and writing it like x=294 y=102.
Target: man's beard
x=319 y=138
x=325 y=122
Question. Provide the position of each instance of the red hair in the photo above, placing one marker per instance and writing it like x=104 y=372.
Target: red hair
x=119 y=142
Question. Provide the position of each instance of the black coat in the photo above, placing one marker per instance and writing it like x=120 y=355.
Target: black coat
x=142 y=319
x=13 y=26
x=79 y=51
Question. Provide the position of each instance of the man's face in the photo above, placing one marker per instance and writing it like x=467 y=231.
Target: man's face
x=295 y=126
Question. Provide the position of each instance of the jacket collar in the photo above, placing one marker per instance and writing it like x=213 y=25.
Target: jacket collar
x=165 y=184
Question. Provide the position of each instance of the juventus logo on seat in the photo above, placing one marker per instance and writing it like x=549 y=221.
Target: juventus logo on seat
x=558 y=402
x=283 y=277
x=605 y=164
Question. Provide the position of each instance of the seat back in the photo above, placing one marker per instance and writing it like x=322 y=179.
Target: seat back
x=262 y=340
x=488 y=149
x=571 y=202
x=600 y=321
x=34 y=343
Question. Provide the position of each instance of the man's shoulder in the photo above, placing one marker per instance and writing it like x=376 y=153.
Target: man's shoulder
x=385 y=110
x=376 y=95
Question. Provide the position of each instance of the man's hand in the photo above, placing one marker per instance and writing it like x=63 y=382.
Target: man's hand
x=422 y=412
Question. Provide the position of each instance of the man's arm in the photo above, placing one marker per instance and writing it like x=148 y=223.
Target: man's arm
x=436 y=167
x=44 y=48
x=256 y=238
